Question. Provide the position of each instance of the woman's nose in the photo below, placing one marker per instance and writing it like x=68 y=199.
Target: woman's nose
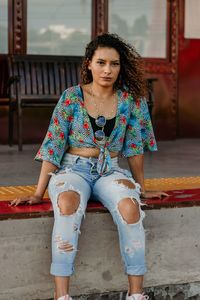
x=107 y=69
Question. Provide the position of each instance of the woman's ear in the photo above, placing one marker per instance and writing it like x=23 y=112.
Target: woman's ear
x=89 y=65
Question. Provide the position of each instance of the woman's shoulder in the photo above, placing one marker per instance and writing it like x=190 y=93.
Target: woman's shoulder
x=72 y=91
x=136 y=105
x=72 y=94
x=125 y=97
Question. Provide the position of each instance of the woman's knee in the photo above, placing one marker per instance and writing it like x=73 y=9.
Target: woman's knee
x=68 y=202
x=128 y=207
x=129 y=210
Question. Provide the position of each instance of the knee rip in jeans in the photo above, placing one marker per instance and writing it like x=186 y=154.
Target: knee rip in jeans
x=68 y=202
x=129 y=210
x=62 y=245
x=65 y=245
x=128 y=207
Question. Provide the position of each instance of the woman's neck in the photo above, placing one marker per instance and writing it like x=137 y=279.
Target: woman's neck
x=101 y=91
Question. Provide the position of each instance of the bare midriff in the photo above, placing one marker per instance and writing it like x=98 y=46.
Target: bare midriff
x=88 y=152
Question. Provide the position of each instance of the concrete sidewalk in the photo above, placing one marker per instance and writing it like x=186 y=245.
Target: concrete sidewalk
x=178 y=158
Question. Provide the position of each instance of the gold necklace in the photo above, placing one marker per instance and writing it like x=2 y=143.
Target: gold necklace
x=101 y=104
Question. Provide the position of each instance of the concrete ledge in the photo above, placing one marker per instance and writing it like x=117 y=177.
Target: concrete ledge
x=172 y=238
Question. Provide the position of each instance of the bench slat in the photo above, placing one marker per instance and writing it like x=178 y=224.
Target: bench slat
x=22 y=78
x=45 y=78
x=39 y=81
x=63 y=77
x=33 y=78
x=68 y=71
x=51 y=78
x=57 y=77
x=27 y=78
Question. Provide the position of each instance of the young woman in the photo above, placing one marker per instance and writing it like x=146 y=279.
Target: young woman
x=92 y=124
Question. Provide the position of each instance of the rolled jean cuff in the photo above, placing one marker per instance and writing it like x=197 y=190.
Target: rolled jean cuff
x=136 y=270
x=62 y=269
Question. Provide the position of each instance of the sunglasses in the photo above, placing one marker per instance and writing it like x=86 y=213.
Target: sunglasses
x=100 y=134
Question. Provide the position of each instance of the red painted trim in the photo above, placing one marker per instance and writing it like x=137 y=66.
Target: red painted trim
x=99 y=17
x=10 y=26
x=177 y=198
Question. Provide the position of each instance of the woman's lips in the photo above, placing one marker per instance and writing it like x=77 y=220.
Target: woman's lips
x=106 y=78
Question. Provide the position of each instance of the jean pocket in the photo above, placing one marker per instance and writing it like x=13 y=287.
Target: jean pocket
x=81 y=164
x=69 y=162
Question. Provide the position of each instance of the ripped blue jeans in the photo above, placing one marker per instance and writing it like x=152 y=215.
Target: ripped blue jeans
x=79 y=174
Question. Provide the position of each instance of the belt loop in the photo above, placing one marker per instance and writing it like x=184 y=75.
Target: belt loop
x=76 y=159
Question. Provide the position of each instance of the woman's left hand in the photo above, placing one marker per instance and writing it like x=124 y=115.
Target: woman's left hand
x=153 y=194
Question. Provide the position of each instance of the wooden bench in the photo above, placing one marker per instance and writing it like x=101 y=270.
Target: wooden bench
x=39 y=80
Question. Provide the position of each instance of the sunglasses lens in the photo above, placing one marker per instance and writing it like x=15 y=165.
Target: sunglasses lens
x=100 y=121
x=99 y=135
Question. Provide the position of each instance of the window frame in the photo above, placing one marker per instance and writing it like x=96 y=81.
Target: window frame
x=168 y=35
x=17 y=26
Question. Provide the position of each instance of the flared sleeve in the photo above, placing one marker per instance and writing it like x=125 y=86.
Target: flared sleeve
x=139 y=135
x=55 y=142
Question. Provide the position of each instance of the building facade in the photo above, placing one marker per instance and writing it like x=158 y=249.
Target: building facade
x=164 y=32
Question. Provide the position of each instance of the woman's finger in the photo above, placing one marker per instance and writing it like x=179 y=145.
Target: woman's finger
x=30 y=202
x=33 y=200
x=13 y=202
x=154 y=194
x=165 y=194
x=18 y=201
x=161 y=195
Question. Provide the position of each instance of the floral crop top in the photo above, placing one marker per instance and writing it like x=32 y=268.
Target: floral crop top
x=70 y=127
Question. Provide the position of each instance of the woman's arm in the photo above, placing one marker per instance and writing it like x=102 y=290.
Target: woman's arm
x=44 y=177
x=43 y=181
x=136 y=165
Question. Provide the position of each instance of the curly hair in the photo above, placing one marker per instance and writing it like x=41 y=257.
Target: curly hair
x=131 y=76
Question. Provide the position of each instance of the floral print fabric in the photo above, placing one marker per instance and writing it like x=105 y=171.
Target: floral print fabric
x=70 y=127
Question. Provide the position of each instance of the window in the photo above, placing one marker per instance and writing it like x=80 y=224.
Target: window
x=192 y=24
x=141 y=22
x=3 y=26
x=58 y=27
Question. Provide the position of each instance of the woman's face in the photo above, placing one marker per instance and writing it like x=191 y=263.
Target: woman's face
x=105 y=66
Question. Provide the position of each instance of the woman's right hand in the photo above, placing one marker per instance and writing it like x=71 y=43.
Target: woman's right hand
x=38 y=194
x=30 y=200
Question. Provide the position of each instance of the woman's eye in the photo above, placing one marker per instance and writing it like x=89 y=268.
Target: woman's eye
x=112 y=64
